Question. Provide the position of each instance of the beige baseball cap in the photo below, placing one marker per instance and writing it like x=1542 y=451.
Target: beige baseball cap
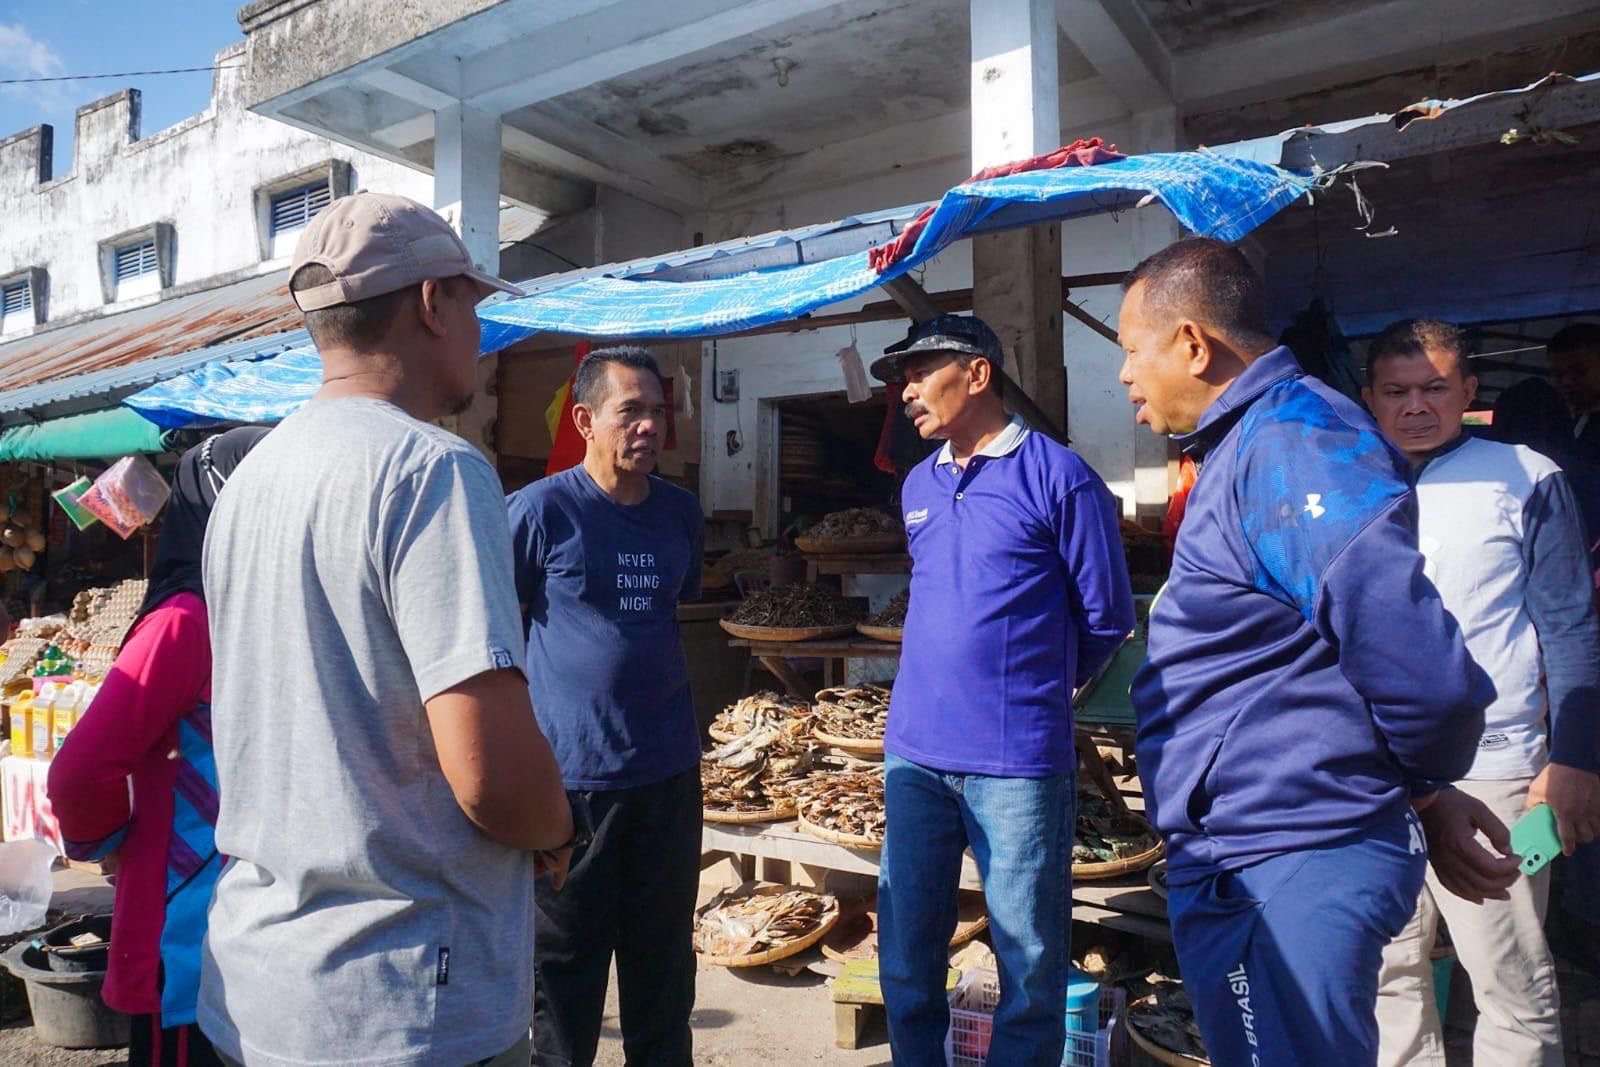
x=376 y=243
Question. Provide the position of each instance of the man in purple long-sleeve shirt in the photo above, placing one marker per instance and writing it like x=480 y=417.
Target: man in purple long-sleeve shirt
x=1019 y=593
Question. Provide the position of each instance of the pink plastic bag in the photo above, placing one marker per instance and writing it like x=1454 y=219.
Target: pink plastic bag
x=127 y=496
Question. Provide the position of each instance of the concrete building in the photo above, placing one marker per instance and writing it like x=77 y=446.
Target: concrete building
x=137 y=219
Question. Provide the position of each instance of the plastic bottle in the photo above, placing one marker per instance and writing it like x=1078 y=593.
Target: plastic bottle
x=22 y=724
x=62 y=713
x=90 y=691
x=43 y=705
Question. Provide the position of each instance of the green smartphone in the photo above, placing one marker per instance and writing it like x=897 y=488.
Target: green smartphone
x=1536 y=839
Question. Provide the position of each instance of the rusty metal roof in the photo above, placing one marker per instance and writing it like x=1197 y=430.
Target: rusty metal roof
x=103 y=356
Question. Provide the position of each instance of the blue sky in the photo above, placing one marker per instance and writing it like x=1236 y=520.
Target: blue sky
x=53 y=37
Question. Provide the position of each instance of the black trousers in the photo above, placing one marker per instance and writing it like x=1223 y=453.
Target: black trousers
x=631 y=892
x=149 y=1045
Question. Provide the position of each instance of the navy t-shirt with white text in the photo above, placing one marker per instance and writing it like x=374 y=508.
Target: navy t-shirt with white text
x=600 y=584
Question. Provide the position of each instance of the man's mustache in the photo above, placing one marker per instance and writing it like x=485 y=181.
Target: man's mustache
x=914 y=409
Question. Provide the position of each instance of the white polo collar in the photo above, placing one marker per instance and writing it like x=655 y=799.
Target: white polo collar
x=1005 y=442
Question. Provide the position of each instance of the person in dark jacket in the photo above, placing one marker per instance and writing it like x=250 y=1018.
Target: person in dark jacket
x=1304 y=685
x=1533 y=413
x=1575 y=370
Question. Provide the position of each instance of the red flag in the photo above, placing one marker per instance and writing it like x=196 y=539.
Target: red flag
x=566 y=443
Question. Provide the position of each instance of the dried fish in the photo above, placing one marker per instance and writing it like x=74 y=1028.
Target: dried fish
x=858 y=713
x=1105 y=833
x=745 y=921
x=749 y=772
x=855 y=524
x=846 y=802
x=1165 y=1016
x=893 y=616
x=796 y=606
x=738 y=717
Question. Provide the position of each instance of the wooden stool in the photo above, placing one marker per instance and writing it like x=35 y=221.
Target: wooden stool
x=855 y=992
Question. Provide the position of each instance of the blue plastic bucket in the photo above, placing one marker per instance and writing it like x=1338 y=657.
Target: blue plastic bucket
x=1083 y=1003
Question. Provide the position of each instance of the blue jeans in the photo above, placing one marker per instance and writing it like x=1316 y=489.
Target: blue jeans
x=1280 y=959
x=1020 y=832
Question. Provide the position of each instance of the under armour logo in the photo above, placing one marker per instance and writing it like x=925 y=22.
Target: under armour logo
x=1314 y=505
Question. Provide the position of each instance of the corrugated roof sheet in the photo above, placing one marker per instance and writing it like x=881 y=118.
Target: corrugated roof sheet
x=105 y=355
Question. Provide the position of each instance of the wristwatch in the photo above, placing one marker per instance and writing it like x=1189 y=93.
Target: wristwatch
x=582 y=824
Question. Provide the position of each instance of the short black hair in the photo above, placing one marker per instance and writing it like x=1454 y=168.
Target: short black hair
x=360 y=324
x=589 y=380
x=1578 y=337
x=1413 y=337
x=1207 y=280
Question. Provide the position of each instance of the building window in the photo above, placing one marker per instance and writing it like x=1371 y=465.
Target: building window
x=293 y=211
x=286 y=205
x=136 y=260
x=16 y=306
x=137 y=263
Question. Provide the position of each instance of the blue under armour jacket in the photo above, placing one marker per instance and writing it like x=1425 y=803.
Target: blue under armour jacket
x=1304 y=678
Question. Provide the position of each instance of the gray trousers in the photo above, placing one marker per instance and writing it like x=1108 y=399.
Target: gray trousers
x=1501 y=943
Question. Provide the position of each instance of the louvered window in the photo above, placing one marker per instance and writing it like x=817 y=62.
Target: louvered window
x=295 y=209
x=17 y=297
x=136 y=260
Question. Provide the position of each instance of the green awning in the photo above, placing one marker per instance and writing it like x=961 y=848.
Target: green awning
x=95 y=435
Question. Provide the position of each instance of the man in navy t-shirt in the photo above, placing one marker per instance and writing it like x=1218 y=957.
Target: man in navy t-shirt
x=1019 y=593
x=604 y=552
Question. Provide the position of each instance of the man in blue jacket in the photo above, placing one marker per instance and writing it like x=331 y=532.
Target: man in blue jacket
x=1019 y=593
x=1304 y=681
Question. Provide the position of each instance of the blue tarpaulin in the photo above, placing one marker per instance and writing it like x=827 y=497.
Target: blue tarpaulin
x=264 y=390
x=1208 y=194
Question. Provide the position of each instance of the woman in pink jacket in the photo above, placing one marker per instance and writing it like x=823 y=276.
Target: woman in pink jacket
x=151 y=723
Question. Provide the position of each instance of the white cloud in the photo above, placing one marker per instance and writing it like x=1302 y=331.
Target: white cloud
x=22 y=55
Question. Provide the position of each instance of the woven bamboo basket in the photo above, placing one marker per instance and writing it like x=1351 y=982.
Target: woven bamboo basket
x=850 y=546
x=881 y=633
x=852 y=745
x=783 y=951
x=1089 y=872
x=786 y=633
x=860 y=942
x=783 y=809
x=835 y=837
x=1160 y=1053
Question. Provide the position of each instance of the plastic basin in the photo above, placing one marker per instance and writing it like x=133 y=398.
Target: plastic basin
x=67 y=1009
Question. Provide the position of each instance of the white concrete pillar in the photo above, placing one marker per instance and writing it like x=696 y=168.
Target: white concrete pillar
x=1153 y=229
x=1016 y=114
x=1016 y=108
x=466 y=190
x=466 y=179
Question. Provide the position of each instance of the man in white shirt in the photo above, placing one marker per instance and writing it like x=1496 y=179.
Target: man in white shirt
x=1504 y=545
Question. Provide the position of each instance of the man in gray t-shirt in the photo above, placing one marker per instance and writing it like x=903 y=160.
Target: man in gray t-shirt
x=387 y=798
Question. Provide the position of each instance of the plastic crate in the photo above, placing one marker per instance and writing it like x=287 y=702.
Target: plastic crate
x=972 y=1005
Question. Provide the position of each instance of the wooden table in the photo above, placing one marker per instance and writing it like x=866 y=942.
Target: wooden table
x=777 y=845
x=775 y=654
x=842 y=564
x=1125 y=903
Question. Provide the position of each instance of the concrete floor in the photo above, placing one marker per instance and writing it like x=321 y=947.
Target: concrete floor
x=758 y=1016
